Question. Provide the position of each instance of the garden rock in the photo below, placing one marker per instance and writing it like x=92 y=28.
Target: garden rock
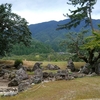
x=22 y=66
x=36 y=79
x=36 y=66
x=45 y=75
x=85 y=69
x=12 y=75
x=6 y=76
x=48 y=75
x=38 y=72
x=52 y=67
x=38 y=76
x=3 y=71
x=23 y=86
x=8 y=92
x=61 y=74
x=51 y=74
x=13 y=82
x=22 y=74
x=71 y=65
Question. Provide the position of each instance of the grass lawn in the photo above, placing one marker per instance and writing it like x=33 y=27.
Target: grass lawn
x=78 y=89
x=61 y=64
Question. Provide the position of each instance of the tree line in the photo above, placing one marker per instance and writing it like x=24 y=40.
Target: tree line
x=35 y=47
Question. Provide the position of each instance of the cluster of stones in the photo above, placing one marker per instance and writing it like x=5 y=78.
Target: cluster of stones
x=23 y=81
x=8 y=91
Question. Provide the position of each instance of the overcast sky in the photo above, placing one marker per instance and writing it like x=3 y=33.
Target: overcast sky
x=37 y=11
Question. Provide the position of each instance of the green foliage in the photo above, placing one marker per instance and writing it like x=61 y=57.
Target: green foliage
x=82 y=12
x=17 y=63
x=13 y=29
x=74 y=41
x=93 y=41
x=35 y=47
x=41 y=57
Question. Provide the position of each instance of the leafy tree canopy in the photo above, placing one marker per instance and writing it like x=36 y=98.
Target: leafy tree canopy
x=82 y=12
x=93 y=41
x=13 y=29
x=87 y=49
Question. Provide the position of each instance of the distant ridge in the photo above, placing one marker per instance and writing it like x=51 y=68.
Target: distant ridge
x=46 y=32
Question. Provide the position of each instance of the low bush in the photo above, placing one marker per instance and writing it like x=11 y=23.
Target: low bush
x=17 y=63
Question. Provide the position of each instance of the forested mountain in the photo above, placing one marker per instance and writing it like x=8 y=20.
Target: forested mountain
x=46 y=32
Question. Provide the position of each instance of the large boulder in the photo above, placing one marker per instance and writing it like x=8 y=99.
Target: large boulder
x=37 y=79
x=52 y=67
x=71 y=65
x=38 y=72
x=13 y=82
x=61 y=74
x=36 y=66
x=20 y=75
x=86 y=69
x=48 y=75
x=23 y=86
x=38 y=76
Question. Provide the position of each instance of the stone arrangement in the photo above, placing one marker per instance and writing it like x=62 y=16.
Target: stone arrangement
x=19 y=80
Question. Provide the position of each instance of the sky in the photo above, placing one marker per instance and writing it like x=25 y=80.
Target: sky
x=37 y=11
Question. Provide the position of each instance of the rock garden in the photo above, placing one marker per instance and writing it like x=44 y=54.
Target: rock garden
x=14 y=80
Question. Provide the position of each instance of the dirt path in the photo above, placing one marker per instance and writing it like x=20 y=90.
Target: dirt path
x=3 y=83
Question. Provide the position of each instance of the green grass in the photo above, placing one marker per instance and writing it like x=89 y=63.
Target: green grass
x=81 y=88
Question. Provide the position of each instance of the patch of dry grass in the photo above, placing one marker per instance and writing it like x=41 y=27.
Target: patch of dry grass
x=81 y=88
x=61 y=64
x=6 y=62
x=79 y=64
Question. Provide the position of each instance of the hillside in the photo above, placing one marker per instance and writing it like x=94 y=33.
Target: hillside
x=35 y=47
x=46 y=32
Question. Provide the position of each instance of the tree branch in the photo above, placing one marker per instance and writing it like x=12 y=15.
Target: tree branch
x=82 y=57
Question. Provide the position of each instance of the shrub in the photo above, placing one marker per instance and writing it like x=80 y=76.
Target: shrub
x=17 y=63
